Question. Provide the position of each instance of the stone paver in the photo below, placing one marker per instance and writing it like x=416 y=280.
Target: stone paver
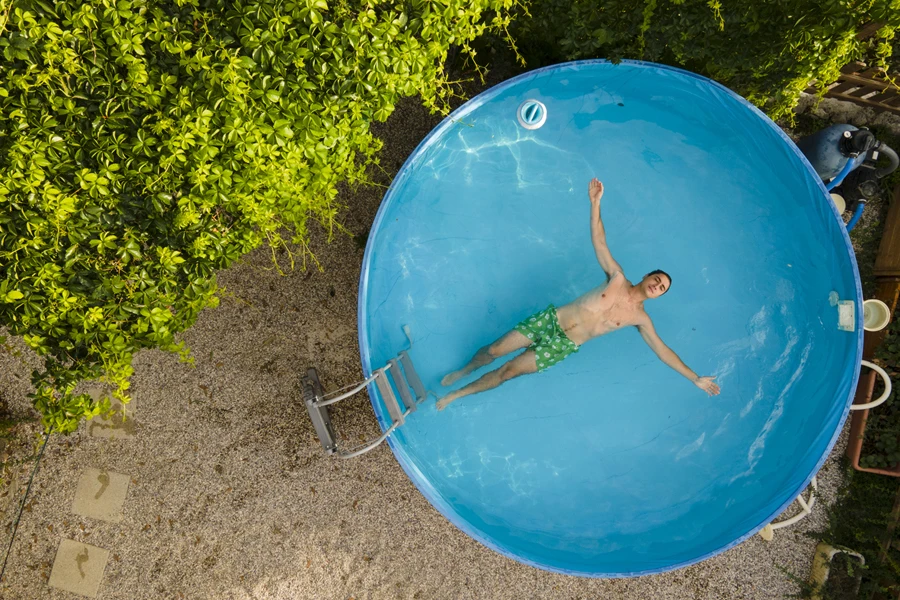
x=121 y=425
x=78 y=568
x=100 y=495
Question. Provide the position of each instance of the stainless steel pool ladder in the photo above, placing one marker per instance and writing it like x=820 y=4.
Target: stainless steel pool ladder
x=405 y=379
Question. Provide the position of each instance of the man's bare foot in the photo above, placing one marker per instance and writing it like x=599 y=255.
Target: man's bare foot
x=451 y=378
x=443 y=402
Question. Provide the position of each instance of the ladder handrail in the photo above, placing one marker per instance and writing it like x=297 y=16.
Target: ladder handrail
x=374 y=443
x=351 y=392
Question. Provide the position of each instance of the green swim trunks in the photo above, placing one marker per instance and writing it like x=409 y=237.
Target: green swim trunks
x=549 y=341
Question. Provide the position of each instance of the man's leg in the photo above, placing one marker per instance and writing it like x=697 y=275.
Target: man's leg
x=521 y=365
x=510 y=342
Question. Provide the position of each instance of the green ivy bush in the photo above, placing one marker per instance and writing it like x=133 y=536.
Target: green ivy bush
x=859 y=520
x=144 y=144
x=766 y=50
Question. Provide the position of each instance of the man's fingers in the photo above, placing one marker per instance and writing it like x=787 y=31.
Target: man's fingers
x=711 y=388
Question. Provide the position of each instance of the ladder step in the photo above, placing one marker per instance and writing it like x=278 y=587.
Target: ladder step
x=401 y=385
x=387 y=395
x=412 y=377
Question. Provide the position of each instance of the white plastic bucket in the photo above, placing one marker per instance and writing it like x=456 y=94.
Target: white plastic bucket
x=876 y=315
x=839 y=203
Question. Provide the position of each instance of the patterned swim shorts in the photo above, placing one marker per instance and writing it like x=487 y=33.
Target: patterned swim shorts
x=549 y=341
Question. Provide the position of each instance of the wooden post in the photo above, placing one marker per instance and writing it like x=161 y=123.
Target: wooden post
x=887 y=264
x=887 y=272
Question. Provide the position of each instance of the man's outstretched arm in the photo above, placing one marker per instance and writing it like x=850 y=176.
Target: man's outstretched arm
x=666 y=355
x=598 y=234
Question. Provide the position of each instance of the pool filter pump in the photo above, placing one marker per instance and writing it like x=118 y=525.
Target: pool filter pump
x=847 y=159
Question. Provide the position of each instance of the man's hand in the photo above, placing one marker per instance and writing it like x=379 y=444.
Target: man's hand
x=706 y=384
x=595 y=190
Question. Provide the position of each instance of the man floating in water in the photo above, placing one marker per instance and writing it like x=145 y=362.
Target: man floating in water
x=554 y=333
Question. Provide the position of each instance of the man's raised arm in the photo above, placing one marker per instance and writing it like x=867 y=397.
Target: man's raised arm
x=598 y=234
x=669 y=357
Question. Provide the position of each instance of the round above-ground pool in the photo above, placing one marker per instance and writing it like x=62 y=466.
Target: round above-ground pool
x=610 y=463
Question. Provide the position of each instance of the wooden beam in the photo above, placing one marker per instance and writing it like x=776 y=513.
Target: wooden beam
x=854 y=67
x=857 y=80
x=887 y=96
x=868 y=30
x=864 y=93
x=867 y=103
x=866 y=82
x=843 y=87
x=887 y=263
x=871 y=72
x=887 y=273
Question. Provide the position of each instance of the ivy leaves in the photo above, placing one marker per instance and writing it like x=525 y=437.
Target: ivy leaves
x=8 y=295
x=144 y=144
x=769 y=52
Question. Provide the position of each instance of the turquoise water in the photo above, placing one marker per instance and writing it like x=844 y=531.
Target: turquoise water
x=610 y=463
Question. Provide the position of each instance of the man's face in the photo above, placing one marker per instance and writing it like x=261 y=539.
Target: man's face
x=655 y=285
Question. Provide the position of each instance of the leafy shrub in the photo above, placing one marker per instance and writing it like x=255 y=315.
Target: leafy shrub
x=766 y=50
x=144 y=144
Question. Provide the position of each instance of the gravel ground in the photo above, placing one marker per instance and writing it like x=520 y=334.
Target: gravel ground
x=232 y=497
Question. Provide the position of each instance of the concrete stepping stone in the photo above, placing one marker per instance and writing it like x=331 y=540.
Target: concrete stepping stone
x=114 y=427
x=78 y=568
x=100 y=495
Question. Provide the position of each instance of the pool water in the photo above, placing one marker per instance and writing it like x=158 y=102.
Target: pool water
x=610 y=463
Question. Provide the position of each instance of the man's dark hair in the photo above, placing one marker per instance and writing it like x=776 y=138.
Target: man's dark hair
x=661 y=272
